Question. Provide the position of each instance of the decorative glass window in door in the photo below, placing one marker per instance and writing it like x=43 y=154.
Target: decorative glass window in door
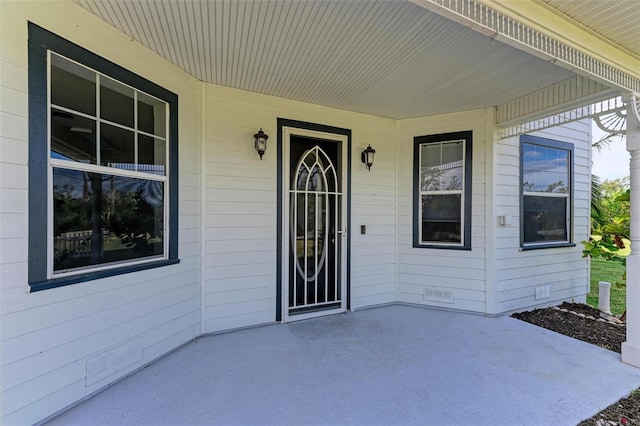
x=314 y=282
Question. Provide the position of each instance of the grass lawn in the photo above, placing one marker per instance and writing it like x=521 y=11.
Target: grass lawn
x=603 y=270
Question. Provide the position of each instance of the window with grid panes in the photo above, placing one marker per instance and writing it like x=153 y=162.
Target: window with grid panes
x=108 y=136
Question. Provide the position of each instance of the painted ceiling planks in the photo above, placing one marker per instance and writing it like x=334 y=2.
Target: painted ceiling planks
x=387 y=58
x=618 y=21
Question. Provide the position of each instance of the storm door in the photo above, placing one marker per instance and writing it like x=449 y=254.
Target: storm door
x=314 y=226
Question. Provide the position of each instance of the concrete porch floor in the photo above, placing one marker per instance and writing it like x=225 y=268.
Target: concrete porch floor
x=392 y=365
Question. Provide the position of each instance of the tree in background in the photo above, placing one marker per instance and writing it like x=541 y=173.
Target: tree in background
x=610 y=211
x=610 y=221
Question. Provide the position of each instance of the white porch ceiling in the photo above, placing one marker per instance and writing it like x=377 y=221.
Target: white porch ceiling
x=617 y=21
x=388 y=58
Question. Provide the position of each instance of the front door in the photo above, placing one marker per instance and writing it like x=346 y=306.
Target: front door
x=314 y=224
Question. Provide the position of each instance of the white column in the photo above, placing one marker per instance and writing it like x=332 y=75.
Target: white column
x=631 y=348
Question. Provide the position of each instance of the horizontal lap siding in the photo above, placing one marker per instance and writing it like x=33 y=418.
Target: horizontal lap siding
x=48 y=336
x=460 y=272
x=373 y=204
x=240 y=208
x=519 y=272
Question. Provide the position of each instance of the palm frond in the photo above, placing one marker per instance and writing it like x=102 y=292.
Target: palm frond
x=605 y=141
x=596 y=197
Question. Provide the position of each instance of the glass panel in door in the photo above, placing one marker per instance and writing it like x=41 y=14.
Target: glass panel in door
x=315 y=229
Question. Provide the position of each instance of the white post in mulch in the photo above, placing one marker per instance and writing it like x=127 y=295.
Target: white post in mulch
x=631 y=348
x=604 y=297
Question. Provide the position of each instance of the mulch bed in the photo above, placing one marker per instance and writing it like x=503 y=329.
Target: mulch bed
x=603 y=334
x=606 y=335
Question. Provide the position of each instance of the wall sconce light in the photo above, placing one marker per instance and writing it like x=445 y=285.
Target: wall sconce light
x=261 y=142
x=367 y=157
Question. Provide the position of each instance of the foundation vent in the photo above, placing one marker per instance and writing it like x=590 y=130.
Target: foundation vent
x=436 y=294
x=112 y=361
x=543 y=292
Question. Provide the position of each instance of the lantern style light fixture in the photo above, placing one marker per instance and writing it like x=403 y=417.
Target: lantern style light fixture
x=367 y=157
x=261 y=142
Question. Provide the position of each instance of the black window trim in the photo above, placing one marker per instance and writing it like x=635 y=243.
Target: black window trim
x=467 y=136
x=551 y=143
x=41 y=41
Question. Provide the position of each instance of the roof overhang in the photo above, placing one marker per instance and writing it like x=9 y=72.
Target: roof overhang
x=546 y=33
x=603 y=70
x=391 y=59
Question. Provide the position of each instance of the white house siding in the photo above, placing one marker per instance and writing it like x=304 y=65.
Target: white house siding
x=240 y=205
x=459 y=271
x=47 y=337
x=518 y=273
x=228 y=238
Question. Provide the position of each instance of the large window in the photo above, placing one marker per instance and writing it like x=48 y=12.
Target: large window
x=103 y=159
x=546 y=188
x=442 y=191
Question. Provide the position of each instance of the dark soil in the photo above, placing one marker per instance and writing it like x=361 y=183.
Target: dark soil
x=606 y=335
x=603 y=334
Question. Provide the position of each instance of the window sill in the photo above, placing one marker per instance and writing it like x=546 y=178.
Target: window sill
x=90 y=276
x=441 y=247
x=546 y=246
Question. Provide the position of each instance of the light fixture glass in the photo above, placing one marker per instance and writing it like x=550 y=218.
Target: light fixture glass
x=367 y=157
x=261 y=142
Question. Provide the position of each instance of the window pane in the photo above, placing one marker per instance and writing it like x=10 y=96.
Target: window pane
x=430 y=178
x=104 y=218
x=451 y=152
x=152 y=154
x=316 y=183
x=430 y=174
x=302 y=174
x=116 y=102
x=117 y=147
x=430 y=155
x=545 y=219
x=441 y=218
x=152 y=115
x=452 y=175
x=545 y=169
x=452 y=166
x=72 y=86
x=441 y=166
x=73 y=137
